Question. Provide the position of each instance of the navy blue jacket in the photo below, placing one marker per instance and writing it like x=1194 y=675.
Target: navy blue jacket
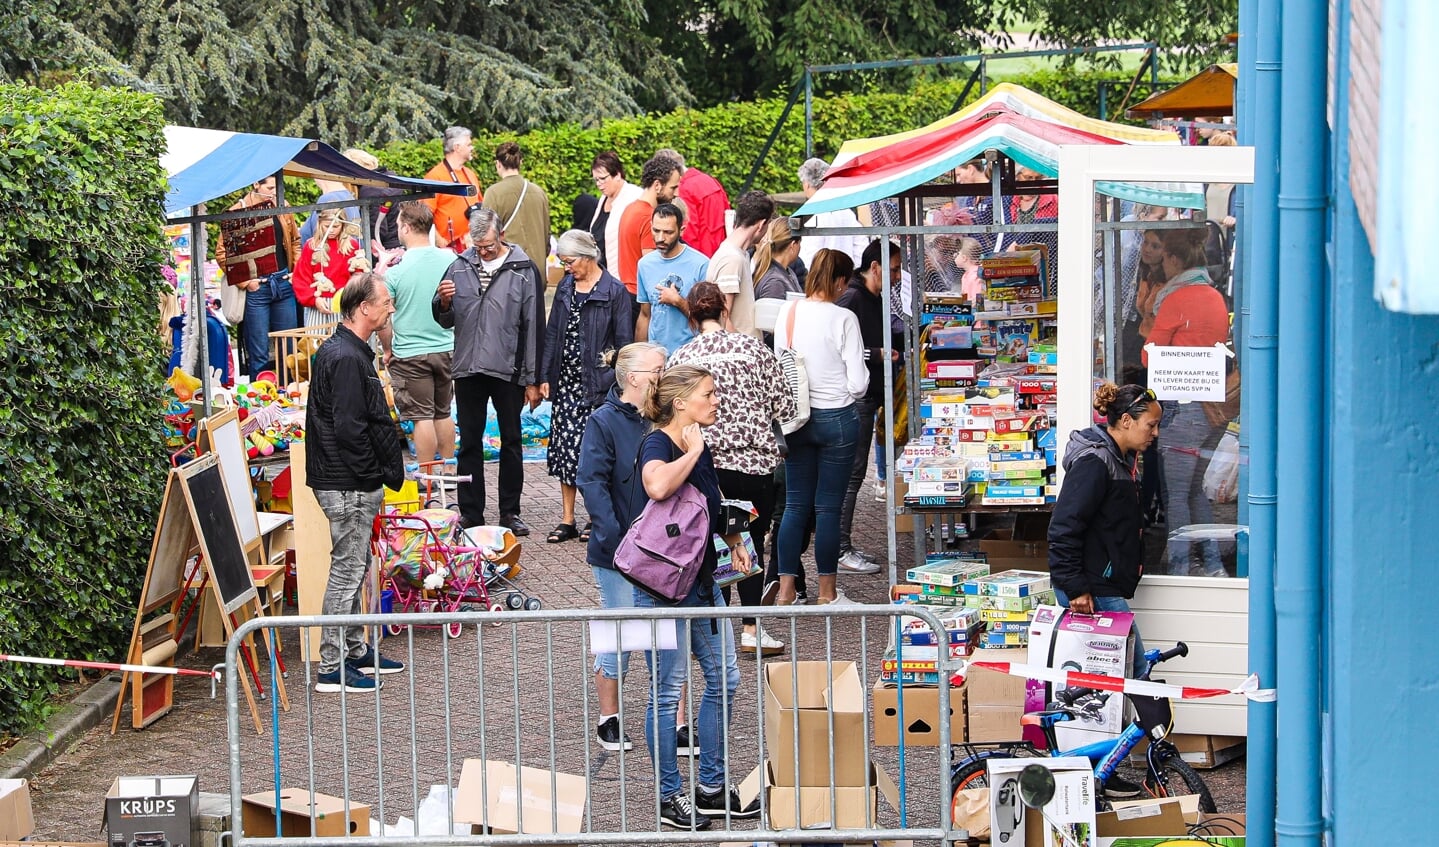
x=607 y=323
x=608 y=475
x=1096 y=534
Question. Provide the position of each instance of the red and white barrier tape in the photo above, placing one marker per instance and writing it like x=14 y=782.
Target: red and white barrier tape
x=1248 y=689
x=108 y=666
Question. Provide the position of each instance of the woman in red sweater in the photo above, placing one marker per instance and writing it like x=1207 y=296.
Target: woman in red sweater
x=1187 y=312
x=328 y=259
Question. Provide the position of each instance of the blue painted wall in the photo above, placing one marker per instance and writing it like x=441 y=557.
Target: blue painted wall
x=1382 y=556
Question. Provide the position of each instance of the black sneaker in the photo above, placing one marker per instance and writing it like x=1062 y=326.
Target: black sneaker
x=716 y=804
x=685 y=745
x=1119 y=788
x=373 y=663
x=608 y=735
x=346 y=678
x=679 y=812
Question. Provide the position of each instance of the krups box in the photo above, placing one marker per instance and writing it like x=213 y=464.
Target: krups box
x=153 y=811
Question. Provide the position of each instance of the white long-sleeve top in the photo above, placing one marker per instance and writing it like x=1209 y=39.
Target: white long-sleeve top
x=827 y=336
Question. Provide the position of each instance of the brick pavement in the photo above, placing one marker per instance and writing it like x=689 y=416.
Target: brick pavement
x=533 y=682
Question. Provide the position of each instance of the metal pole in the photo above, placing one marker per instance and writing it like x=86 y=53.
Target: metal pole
x=1259 y=411
x=808 y=114
x=773 y=136
x=1299 y=537
x=199 y=310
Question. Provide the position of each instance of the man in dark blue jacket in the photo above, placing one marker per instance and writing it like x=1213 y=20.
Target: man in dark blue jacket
x=608 y=479
x=352 y=451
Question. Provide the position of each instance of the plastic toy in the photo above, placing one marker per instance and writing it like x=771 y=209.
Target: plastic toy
x=183 y=385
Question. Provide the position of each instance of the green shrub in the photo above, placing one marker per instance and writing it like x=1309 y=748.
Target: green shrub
x=81 y=193
x=724 y=140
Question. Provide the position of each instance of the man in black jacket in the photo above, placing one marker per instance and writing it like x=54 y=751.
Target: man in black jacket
x=352 y=451
x=494 y=299
x=863 y=298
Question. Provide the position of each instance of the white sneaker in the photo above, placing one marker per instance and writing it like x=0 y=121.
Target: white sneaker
x=839 y=600
x=854 y=562
x=762 y=643
x=879 y=490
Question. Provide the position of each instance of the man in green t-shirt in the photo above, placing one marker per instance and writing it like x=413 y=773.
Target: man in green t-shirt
x=418 y=350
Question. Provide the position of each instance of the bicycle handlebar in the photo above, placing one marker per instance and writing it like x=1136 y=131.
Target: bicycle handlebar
x=1180 y=650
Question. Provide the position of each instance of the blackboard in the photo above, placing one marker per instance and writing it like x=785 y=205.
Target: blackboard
x=214 y=520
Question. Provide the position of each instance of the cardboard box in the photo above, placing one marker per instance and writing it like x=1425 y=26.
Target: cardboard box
x=17 y=820
x=1208 y=751
x=1098 y=644
x=921 y=716
x=1161 y=817
x=854 y=807
x=805 y=690
x=257 y=815
x=993 y=723
x=992 y=688
x=509 y=800
x=153 y=810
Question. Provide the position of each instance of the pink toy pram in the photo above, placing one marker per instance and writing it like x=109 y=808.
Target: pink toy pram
x=431 y=564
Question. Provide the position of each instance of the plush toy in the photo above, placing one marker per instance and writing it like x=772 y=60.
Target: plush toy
x=297 y=364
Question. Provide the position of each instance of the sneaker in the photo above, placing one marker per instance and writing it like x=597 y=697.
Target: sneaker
x=800 y=598
x=609 y=736
x=1118 y=788
x=879 y=490
x=761 y=642
x=716 y=804
x=679 y=812
x=345 y=678
x=839 y=600
x=373 y=663
x=684 y=744
x=852 y=562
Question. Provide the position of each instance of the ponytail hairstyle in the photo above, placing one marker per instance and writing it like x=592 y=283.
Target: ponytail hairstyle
x=676 y=383
x=1114 y=402
x=828 y=275
x=628 y=359
x=776 y=239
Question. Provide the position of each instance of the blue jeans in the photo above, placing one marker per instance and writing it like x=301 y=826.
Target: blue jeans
x=616 y=592
x=1115 y=604
x=1186 y=437
x=817 y=471
x=712 y=642
x=269 y=308
x=351 y=515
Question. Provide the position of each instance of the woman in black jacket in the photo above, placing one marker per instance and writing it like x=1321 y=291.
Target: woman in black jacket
x=1096 y=535
x=592 y=318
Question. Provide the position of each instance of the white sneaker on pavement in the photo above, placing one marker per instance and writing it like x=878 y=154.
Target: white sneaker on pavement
x=854 y=562
x=760 y=642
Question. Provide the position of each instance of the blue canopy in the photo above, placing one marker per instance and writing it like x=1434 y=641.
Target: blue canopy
x=207 y=163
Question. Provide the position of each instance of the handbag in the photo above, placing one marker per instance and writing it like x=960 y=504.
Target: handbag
x=232 y=302
x=791 y=362
x=661 y=553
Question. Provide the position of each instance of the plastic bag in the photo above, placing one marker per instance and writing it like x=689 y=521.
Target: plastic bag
x=1221 y=478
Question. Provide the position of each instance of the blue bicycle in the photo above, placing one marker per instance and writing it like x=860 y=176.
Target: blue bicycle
x=1166 y=773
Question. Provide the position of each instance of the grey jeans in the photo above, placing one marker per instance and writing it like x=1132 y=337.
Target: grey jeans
x=351 y=514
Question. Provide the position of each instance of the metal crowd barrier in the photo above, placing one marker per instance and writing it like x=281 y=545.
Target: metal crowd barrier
x=518 y=687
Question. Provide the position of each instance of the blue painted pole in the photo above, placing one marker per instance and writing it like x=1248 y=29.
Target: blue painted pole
x=1244 y=115
x=1259 y=410
x=1303 y=182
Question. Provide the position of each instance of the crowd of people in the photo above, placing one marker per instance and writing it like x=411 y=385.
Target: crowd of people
x=661 y=356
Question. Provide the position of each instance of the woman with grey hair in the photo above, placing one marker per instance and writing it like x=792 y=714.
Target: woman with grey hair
x=452 y=212
x=592 y=317
x=811 y=178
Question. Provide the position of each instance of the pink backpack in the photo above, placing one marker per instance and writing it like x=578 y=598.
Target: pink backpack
x=664 y=549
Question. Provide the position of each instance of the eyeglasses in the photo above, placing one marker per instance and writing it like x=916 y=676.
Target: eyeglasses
x=1146 y=398
x=481 y=247
x=601 y=180
x=568 y=263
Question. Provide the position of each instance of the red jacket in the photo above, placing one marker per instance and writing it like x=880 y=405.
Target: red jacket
x=707 y=202
x=336 y=268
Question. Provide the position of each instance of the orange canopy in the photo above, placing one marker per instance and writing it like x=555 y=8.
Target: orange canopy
x=1210 y=93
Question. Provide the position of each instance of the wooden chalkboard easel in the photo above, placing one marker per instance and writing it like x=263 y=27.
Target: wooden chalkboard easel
x=195 y=516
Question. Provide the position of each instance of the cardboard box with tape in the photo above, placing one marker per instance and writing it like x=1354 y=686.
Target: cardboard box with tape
x=499 y=798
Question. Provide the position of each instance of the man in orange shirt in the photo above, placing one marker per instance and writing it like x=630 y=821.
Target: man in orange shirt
x=452 y=213
x=659 y=179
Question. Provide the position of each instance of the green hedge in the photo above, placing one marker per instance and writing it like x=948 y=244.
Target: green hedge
x=725 y=140
x=81 y=193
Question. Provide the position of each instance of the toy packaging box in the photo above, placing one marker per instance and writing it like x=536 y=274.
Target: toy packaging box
x=1012 y=824
x=1099 y=644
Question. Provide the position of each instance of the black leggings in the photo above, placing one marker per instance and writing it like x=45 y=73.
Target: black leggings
x=759 y=490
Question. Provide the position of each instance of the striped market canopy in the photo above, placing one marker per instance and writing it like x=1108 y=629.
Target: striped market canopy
x=1012 y=120
x=203 y=164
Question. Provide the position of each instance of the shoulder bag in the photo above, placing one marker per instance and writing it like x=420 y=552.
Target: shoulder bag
x=791 y=361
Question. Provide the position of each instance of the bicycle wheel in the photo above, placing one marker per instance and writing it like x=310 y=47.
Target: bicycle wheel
x=975 y=772
x=1176 y=777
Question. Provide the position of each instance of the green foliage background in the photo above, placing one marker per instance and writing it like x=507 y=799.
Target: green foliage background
x=724 y=140
x=81 y=192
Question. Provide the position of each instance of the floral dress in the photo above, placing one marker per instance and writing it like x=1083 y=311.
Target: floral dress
x=570 y=409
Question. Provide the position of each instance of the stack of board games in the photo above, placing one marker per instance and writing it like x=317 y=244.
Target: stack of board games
x=1006 y=603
